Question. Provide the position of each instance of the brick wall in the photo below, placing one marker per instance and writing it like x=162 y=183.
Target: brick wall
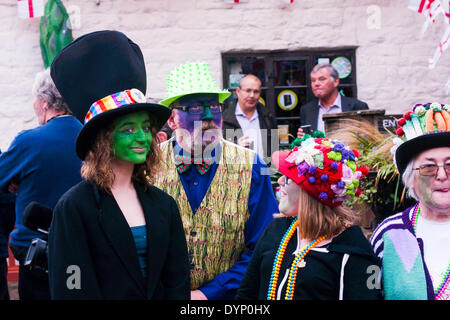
x=392 y=70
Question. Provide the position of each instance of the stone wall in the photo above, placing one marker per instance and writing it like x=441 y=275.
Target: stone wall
x=392 y=60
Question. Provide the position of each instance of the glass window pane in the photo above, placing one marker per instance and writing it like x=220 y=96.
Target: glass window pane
x=289 y=73
x=347 y=91
x=241 y=66
x=343 y=64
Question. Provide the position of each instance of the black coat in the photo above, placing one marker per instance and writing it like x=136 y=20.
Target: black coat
x=310 y=111
x=89 y=232
x=266 y=121
x=327 y=273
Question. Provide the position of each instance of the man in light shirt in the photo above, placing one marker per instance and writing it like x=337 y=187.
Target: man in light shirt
x=324 y=85
x=249 y=121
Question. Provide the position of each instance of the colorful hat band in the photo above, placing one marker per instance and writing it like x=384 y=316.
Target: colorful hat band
x=114 y=101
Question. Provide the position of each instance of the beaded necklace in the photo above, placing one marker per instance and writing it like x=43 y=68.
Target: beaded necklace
x=439 y=291
x=271 y=293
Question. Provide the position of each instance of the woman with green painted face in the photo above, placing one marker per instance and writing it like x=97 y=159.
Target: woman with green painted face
x=115 y=235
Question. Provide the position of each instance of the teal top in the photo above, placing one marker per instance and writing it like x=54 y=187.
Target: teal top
x=140 y=240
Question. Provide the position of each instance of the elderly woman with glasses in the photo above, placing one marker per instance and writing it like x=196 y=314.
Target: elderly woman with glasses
x=412 y=244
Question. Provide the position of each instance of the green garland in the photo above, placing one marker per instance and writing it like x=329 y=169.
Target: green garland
x=55 y=29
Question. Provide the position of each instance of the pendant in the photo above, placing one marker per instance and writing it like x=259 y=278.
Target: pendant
x=302 y=264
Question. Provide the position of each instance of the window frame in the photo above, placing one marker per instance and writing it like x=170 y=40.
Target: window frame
x=270 y=57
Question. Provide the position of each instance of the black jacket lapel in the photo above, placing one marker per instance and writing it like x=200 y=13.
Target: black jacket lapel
x=346 y=104
x=120 y=238
x=229 y=117
x=155 y=227
x=314 y=115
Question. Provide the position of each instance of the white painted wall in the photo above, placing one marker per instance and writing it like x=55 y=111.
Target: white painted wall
x=392 y=60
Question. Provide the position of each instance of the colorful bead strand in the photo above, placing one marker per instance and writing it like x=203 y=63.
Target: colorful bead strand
x=443 y=285
x=271 y=293
x=414 y=217
x=294 y=267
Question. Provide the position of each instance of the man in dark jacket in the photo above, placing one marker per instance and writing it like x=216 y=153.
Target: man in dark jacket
x=248 y=123
x=324 y=85
x=7 y=218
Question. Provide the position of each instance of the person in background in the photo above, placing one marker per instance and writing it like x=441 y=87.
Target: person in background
x=165 y=133
x=412 y=245
x=324 y=85
x=313 y=250
x=223 y=190
x=123 y=234
x=7 y=219
x=40 y=165
x=250 y=117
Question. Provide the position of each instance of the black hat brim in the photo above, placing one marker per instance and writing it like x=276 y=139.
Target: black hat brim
x=408 y=150
x=89 y=131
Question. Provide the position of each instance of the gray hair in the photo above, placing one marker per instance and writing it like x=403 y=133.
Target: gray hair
x=44 y=88
x=408 y=180
x=331 y=70
x=249 y=76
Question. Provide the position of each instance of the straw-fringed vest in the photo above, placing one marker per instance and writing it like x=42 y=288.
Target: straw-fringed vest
x=215 y=233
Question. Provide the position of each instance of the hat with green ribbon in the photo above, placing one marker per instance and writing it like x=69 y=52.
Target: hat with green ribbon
x=191 y=78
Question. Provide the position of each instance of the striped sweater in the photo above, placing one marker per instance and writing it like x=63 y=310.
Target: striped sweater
x=405 y=274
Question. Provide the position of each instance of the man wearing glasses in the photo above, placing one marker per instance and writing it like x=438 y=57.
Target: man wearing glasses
x=224 y=195
x=248 y=120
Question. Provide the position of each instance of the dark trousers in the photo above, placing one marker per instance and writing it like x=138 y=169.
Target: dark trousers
x=33 y=283
x=4 y=293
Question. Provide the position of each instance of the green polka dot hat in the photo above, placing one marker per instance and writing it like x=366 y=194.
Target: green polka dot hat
x=191 y=78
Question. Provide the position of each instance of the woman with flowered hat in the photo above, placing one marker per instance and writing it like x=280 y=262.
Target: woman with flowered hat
x=314 y=251
x=412 y=244
x=114 y=235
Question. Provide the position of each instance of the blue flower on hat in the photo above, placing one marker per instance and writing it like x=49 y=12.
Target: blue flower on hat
x=339 y=147
x=334 y=165
x=347 y=155
x=323 y=196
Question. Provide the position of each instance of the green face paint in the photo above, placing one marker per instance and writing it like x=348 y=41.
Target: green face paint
x=132 y=137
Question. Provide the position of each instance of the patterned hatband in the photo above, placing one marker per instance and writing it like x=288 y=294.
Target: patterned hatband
x=114 y=101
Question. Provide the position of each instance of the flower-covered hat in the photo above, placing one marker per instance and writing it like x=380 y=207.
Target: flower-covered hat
x=326 y=169
x=425 y=127
x=191 y=78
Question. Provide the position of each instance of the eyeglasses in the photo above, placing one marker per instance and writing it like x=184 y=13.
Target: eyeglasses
x=250 y=91
x=196 y=110
x=287 y=180
x=432 y=169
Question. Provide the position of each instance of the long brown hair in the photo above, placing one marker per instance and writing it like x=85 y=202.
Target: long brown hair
x=97 y=169
x=317 y=219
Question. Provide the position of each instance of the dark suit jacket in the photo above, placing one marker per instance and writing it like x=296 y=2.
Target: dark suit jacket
x=310 y=111
x=89 y=232
x=266 y=121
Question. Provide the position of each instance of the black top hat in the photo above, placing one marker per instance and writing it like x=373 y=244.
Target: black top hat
x=101 y=75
